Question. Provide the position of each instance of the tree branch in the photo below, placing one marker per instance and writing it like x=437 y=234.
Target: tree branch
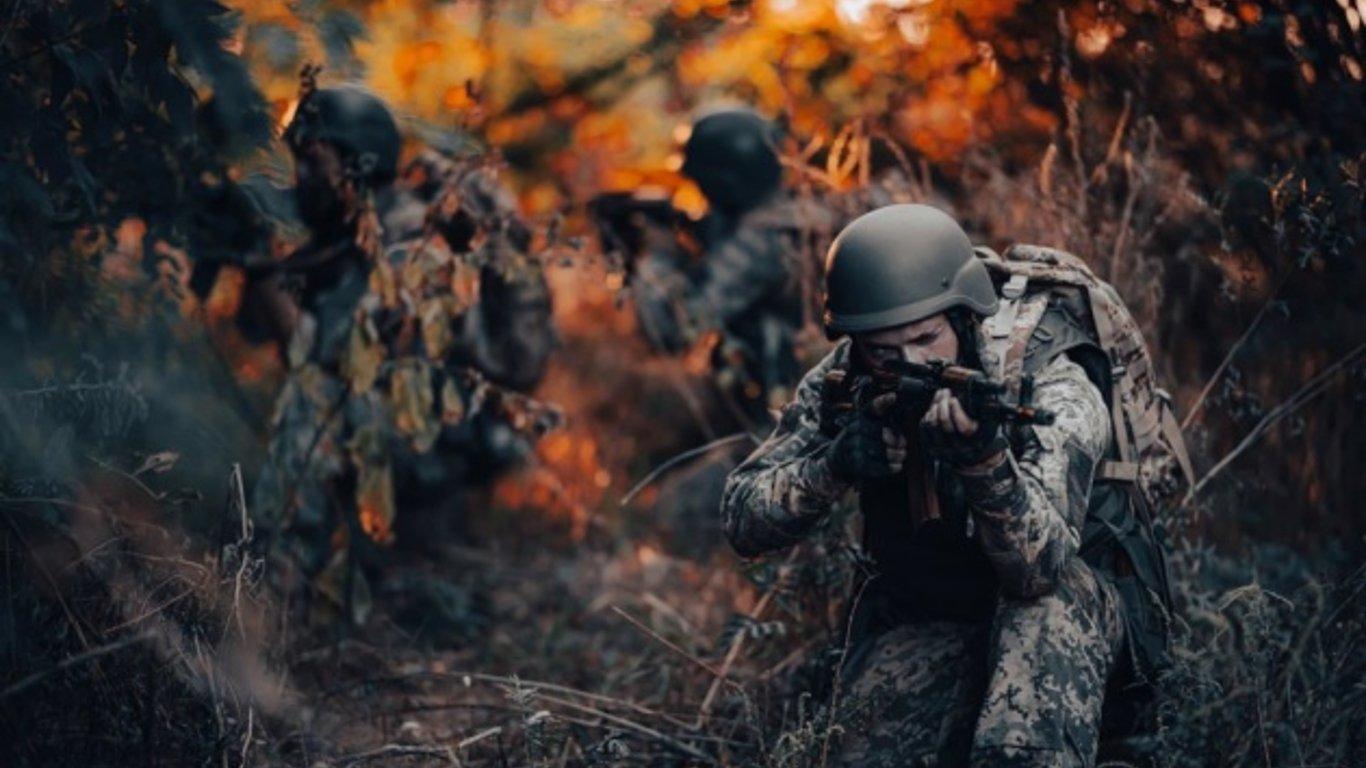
x=1303 y=395
x=78 y=659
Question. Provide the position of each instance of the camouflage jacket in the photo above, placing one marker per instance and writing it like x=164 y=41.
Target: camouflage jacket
x=481 y=303
x=1018 y=520
x=747 y=286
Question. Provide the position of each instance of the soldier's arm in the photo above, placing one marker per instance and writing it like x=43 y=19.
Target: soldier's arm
x=1029 y=503
x=777 y=495
x=741 y=272
x=509 y=333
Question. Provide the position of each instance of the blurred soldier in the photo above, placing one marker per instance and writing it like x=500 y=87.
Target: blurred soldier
x=1016 y=575
x=746 y=285
x=398 y=341
x=508 y=335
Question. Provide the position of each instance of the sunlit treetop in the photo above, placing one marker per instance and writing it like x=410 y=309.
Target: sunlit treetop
x=585 y=95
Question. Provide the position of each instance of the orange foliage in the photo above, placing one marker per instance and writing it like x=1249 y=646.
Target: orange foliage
x=836 y=69
x=923 y=70
x=584 y=96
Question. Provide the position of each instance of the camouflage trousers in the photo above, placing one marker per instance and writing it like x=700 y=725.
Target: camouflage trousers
x=1023 y=690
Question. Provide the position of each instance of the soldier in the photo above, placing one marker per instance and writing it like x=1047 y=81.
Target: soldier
x=746 y=284
x=346 y=146
x=984 y=638
x=398 y=344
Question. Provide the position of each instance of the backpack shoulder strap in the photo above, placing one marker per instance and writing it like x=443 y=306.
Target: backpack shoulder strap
x=1148 y=408
x=1006 y=334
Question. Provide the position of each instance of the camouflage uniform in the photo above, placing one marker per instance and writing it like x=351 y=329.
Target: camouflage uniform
x=984 y=637
x=341 y=443
x=507 y=333
x=747 y=287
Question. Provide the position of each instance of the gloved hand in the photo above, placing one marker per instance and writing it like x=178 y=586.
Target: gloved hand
x=949 y=434
x=867 y=448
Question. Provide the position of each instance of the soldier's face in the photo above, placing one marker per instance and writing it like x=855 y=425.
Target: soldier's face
x=318 y=177
x=919 y=342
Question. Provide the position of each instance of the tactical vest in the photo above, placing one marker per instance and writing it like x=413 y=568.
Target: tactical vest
x=1052 y=304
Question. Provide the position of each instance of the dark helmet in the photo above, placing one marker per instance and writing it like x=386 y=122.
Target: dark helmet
x=357 y=123
x=731 y=156
x=899 y=264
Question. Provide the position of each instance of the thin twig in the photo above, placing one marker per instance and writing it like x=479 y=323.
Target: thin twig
x=1232 y=352
x=630 y=725
x=1125 y=220
x=1102 y=171
x=736 y=644
x=389 y=751
x=150 y=612
x=839 y=672
x=246 y=740
x=664 y=641
x=72 y=661
x=478 y=737
x=482 y=677
x=237 y=491
x=1303 y=395
x=681 y=458
x=134 y=479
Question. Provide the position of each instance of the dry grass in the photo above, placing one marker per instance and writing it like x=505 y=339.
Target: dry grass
x=132 y=641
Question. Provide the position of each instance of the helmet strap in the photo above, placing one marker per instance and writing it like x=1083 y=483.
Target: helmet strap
x=965 y=326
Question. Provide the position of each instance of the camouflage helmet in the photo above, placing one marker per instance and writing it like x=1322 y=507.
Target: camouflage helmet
x=730 y=154
x=899 y=264
x=357 y=123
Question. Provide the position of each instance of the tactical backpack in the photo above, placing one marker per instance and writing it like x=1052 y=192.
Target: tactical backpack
x=1053 y=304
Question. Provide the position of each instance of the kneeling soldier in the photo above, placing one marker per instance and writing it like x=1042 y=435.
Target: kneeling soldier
x=984 y=638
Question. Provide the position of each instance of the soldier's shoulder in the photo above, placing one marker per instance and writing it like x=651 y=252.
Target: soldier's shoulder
x=836 y=358
x=789 y=212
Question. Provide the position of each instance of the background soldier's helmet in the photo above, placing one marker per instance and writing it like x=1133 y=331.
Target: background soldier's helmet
x=900 y=264
x=354 y=121
x=731 y=155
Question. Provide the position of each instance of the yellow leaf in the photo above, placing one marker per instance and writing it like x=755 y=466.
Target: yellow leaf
x=464 y=285
x=360 y=365
x=384 y=284
x=436 y=328
x=410 y=392
x=375 y=502
x=414 y=274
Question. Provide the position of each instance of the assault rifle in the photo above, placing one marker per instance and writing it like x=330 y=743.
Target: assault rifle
x=622 y=218
x=913 y=385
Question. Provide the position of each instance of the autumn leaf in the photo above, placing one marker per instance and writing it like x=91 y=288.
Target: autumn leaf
x=437 y=336
x=384 y=284
x=360 y=365
x=375 y=501
x=411 y=396
x=464 y=285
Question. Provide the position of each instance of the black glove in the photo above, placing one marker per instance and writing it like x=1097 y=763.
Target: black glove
x=867 y=448
x=948 y=434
